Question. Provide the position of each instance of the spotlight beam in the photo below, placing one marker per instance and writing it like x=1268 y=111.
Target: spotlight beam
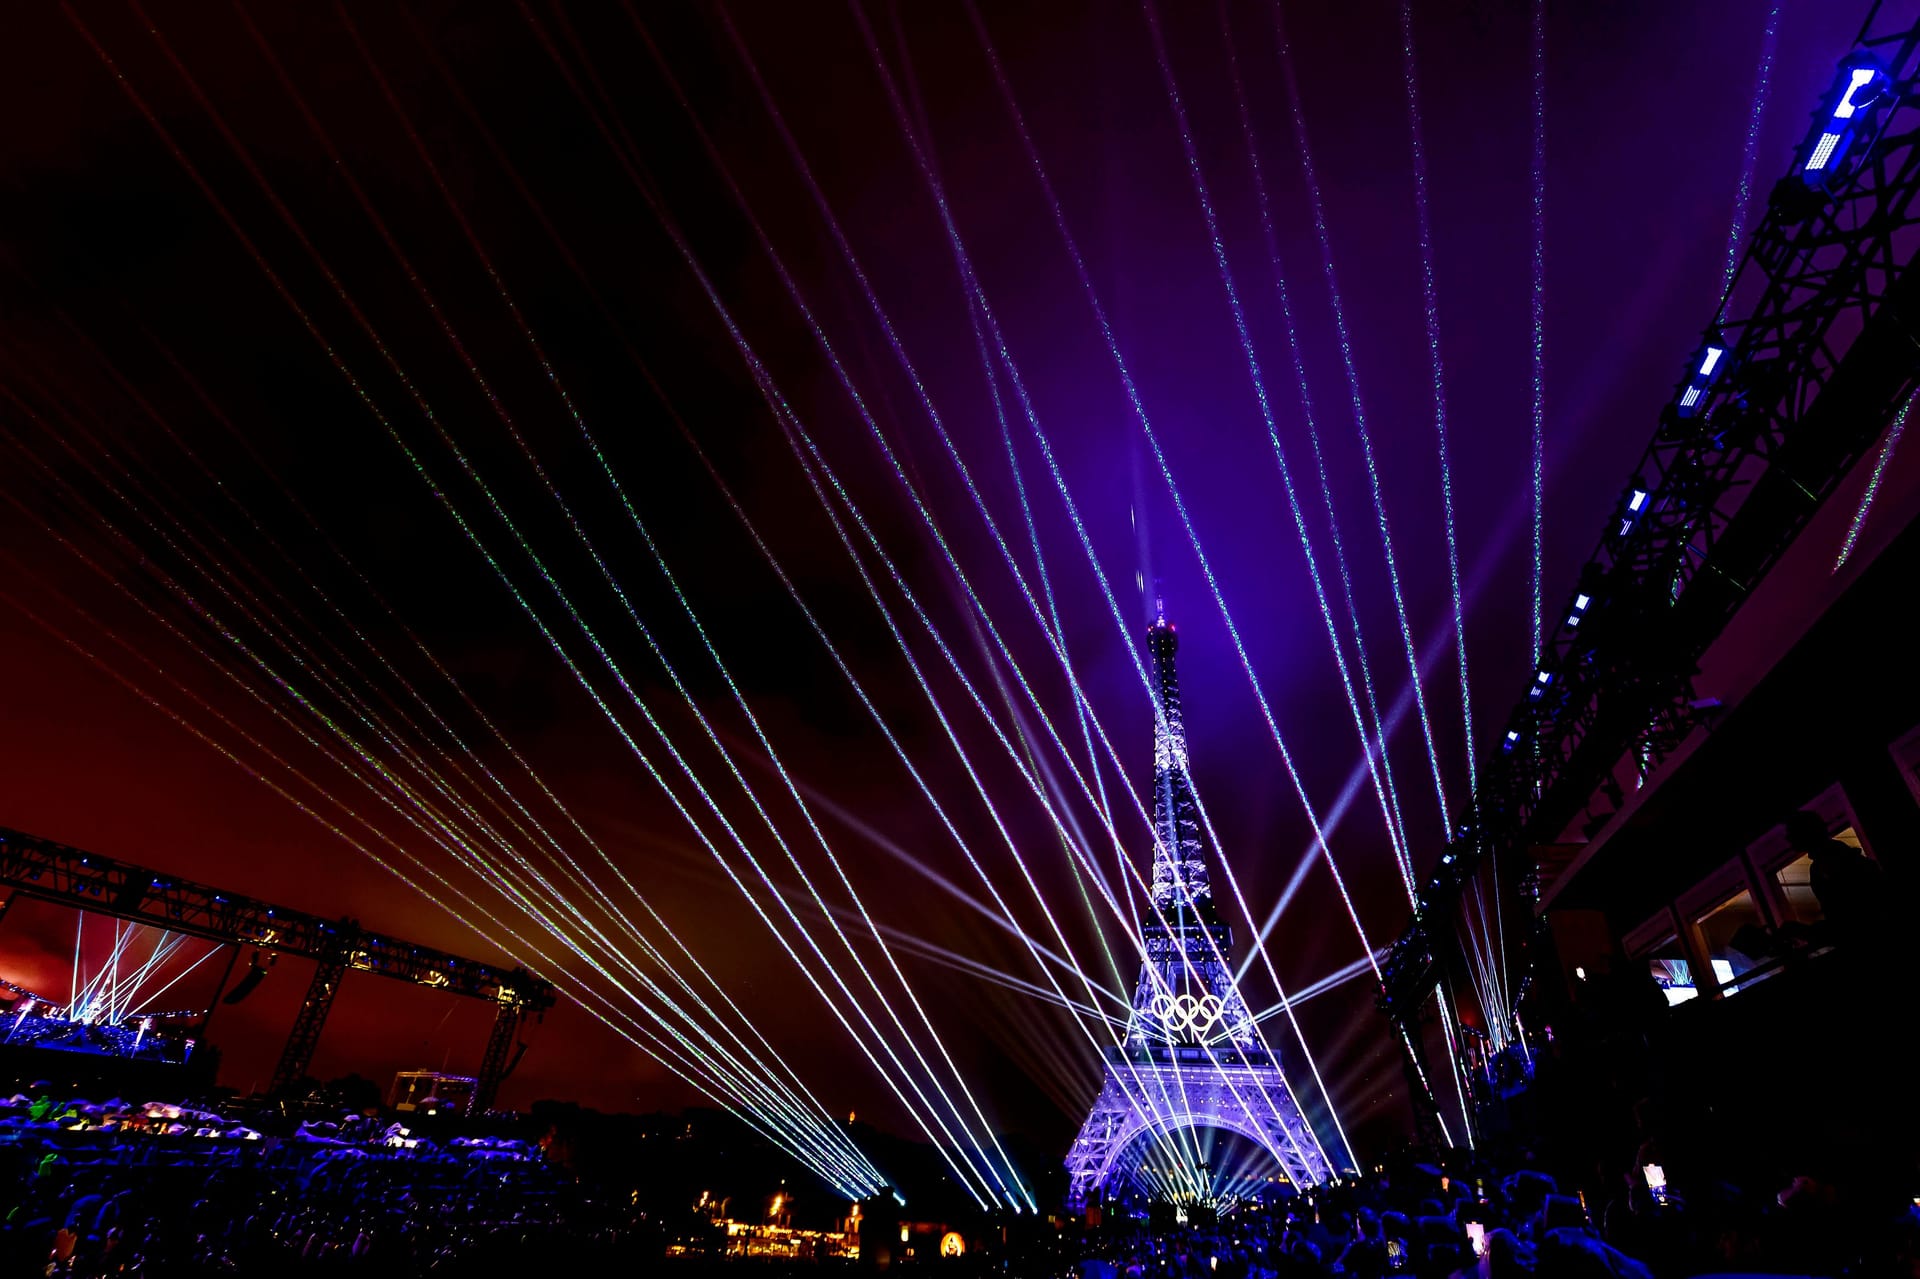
x=1316 y=201
x=1430 y=292
x=968 y=276
x=665 y=1053
x=434 y=779
x=1538 y=301
x=273 y=277
x=1372 y=738
x=809 y=458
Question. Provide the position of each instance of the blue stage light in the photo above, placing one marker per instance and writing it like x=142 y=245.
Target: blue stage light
x=1702 y=372
x=1857 y=88
x=1636 y=502
x=1540 y=682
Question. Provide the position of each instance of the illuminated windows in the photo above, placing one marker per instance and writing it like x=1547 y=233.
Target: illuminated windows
x=1656 y=944
x=1671 y=971
x=1785 y=874
x=1795 y=882
x=1734 y=937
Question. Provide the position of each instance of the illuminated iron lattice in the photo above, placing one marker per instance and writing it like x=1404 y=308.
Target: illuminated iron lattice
x=1191 y=1058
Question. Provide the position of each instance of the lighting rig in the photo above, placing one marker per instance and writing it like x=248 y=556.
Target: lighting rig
x=35 y=867
x=1808 y=360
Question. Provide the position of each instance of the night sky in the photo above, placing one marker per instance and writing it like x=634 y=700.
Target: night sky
x=168 y=419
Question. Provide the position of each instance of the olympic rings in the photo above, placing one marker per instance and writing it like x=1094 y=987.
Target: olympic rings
x=1186 y=1012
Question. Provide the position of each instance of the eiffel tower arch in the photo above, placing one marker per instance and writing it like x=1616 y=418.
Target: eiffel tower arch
x=1192 y=1057
x=1142 y=1101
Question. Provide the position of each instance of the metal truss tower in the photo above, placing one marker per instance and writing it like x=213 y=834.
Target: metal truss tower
x=1191 y=1058
x=40 y=868
x=1814 y=349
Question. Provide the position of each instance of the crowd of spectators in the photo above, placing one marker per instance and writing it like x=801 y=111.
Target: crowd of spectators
x=1427 y=1224
x=110 y=1187
x=114 y=1188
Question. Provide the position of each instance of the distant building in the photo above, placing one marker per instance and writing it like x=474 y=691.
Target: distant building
x=773 y=1237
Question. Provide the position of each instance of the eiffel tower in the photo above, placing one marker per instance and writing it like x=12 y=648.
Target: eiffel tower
x=1191 y=1058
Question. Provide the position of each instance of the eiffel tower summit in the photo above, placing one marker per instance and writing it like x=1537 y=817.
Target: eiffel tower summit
x=1192 y=1057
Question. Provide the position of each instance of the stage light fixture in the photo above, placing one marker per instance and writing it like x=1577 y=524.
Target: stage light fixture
x=1703 y=370
x=1857 y=88
x=255 y=974
x=1633 y=505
